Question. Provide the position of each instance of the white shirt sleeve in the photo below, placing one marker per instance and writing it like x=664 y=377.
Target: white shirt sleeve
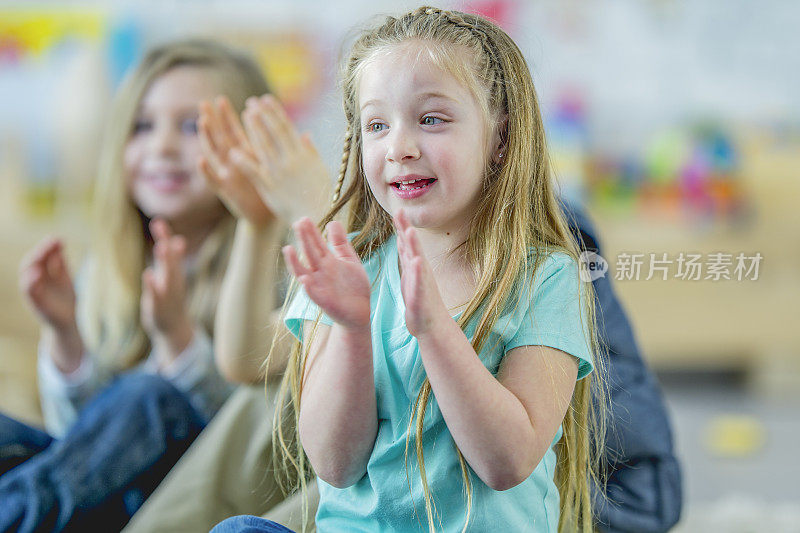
x=194 y=372
x=64 y=394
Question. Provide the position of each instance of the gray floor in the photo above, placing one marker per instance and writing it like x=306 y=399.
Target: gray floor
x=757 y=491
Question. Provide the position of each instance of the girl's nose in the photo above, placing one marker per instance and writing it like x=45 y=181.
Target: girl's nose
x=164 y=141
x=402 y=147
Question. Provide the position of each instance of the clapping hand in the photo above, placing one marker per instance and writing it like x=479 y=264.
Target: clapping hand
x=163 y=306
x=424 y=306
x=333 y=278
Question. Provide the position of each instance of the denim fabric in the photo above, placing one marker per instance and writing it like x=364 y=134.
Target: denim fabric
x=644 y=491
x=19 y=442
x=249 y=524
x=122 y=445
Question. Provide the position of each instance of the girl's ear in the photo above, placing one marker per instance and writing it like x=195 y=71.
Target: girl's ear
x=499 y=138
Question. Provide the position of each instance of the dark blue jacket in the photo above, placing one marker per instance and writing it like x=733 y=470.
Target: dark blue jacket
x=644 y=480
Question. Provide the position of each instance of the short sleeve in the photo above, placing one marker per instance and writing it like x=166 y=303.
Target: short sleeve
x=556 y=317
x=302 y=308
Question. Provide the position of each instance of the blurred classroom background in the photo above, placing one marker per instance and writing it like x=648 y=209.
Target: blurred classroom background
x=676 y=122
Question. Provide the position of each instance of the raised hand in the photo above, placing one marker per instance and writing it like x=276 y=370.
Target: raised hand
x=334 y=279
x=424 y=306
x=292 y=178
x=229 y=163
x=47 y=285
x=163 y=305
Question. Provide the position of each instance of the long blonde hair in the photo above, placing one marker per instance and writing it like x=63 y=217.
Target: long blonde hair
x=109 y=305
x=518 y=212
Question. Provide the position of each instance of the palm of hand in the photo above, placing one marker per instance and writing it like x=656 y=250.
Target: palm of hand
x=341 y=288
x=424 y=306
x=229 y=163
x=46 y=282
x=163 y=301
x=55 y=299
x=291 y=176
x=297 y=174
x=333 y=278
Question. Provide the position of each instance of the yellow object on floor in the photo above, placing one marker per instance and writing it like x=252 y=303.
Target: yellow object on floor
x=735 y=436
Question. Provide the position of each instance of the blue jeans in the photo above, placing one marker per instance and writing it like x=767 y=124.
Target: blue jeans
x=123 y=444
x=249 y=524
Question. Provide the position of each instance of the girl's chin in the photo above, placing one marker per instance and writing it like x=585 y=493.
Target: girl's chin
x=167 y=212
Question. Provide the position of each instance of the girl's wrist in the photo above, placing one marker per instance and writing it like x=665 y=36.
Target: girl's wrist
x=67 y=347
x=356 y=334
x=268 y=232
x=437 y=329
x=175 y=340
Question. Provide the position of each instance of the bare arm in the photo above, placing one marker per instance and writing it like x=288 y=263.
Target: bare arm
x=502 y=425
x=531 y=394
x=247 y=317
x=264 y=175
x=338 y=411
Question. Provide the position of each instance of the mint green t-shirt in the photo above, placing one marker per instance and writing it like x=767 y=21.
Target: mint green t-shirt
x=381 y=500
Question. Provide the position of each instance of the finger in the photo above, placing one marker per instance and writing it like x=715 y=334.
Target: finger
x=260 y=140
x=213 y=179
x=247 y=165
x=338 y=240
x=59 y=263
x=159 y=229
x=277 y=123
x=40 y=252
x=173 y=272
x=52 y=265
x=212 y=152
x=310 y=240
x=148 y=282
x=159 y=263
x=30 y=281
x=401 y=219
x=232 y=123
x=412 y=240
x=218 y=129
x=296 y=267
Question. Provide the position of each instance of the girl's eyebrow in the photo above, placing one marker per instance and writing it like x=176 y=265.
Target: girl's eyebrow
x=435 y=95
x=184 y=110
x=422 y=97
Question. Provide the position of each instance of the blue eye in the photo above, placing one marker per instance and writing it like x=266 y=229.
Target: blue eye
x=429 y=120
x=189 y=127
x=376 y=127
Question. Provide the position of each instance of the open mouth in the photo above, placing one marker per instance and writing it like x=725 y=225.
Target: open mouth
x=410 y=185
x=170 y=181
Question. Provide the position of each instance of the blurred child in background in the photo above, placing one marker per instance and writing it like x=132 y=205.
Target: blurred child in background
x=127 y=367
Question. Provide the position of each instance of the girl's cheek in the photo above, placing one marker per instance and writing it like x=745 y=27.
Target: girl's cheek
x=131 y=160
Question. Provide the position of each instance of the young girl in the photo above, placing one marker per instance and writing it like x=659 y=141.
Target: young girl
x=446 y=341
x=126 y=364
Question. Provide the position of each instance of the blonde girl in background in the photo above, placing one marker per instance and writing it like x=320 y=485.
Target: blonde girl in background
x=126 y=365
x=444 y=376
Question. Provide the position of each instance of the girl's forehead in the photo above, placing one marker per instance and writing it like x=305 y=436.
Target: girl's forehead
x=406 y=70
x=182 y=86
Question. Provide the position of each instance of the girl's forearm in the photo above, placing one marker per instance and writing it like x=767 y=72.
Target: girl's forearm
x=243 y=326
x=479 y=411
x=66 y=347
x=338 y=412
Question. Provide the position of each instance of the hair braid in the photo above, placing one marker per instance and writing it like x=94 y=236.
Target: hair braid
x=348 y=137
x=471 y=23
